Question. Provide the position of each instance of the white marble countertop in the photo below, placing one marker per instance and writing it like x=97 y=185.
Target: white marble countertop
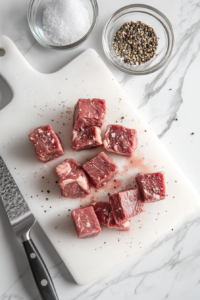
x=168 y=100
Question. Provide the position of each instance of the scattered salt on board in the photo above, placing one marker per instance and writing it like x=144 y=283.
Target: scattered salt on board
x=65 y=21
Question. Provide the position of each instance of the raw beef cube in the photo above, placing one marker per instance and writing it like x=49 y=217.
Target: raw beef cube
x=87 y=138
x=122 y=227
x=126 y=204
x=120 y=140
x=47 y=144
x=102 y=210
x=89 y=112
x=152 y=186
x=72 y=179
x=87 y=224
x=100 y=169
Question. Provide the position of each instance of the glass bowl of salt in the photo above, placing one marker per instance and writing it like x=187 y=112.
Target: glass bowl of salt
x=62 y=24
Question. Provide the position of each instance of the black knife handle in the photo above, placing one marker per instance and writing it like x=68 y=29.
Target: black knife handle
x=40 y=273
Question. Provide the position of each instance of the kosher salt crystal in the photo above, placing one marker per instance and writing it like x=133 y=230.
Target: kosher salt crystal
x=65 y=21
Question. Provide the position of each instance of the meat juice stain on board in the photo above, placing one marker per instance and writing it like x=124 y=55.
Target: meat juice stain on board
x=137 y=161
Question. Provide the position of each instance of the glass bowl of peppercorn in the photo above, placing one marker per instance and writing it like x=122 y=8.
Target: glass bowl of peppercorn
x=138 y=39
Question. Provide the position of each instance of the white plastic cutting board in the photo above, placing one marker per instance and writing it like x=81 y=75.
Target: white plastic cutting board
x=41 y=99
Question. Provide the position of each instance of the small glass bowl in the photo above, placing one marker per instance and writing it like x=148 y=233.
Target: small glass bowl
x=150 y=16
x=34 y=15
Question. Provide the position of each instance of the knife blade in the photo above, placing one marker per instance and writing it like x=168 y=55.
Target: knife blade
x=19 y=214
x=22 y=221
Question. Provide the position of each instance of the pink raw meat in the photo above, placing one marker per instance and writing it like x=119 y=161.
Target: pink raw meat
x=102 y=210
x=120 y=140
x=72 y=179
x=47 y=144
x=100 y=169
x=126 y=204
x=89 y=112
x=87 y=138
x=86 y=222
x=112 y=224
x=152 y=186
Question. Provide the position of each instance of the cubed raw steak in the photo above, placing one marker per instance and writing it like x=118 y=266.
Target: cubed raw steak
x=72 y=179
x=87 y=138
x=86 y=222
x=120 y=140
x=89 y=112
x=100 y=169
x=112 y=224
x=102 y=210
x=152 y=186
x=126 y=204
x=47 y=144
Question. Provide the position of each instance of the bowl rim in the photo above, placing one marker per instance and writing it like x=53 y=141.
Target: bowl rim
x=171 y=40
x=95 y=8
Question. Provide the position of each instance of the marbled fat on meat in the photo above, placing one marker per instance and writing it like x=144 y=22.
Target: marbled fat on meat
x=113 y=225
x=86 y=139
x=72 y=179
x=152 y=186
x=126 y=204
x=86 y=222
x=120 y=140
x=89 y=112
x=100 y=169
x=102 y=210
x=47 y=144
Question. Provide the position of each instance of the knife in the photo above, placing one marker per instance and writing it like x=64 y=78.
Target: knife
x=22 y=221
